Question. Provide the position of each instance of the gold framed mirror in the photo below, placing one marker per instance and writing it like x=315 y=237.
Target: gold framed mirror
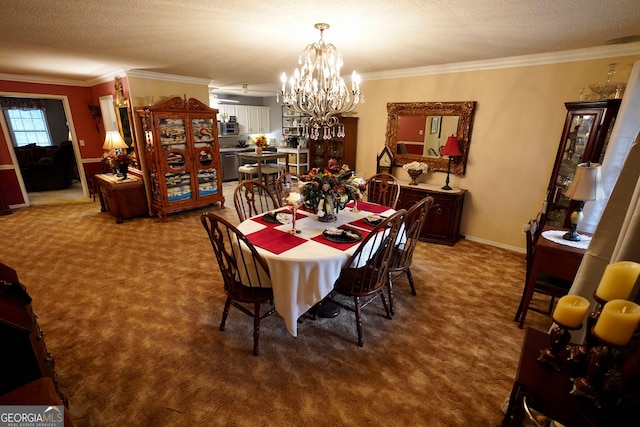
x=123 y=117
x=417 y=131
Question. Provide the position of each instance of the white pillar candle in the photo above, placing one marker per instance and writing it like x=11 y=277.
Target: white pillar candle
x=618 y=280
x=617 y=322
x=570 y=311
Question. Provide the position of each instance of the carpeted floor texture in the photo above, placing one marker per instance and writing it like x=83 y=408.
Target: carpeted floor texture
x=131 y=314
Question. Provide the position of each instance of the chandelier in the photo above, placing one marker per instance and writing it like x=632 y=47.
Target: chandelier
x=318 y=91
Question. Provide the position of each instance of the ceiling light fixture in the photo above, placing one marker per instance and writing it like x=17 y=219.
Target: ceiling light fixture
x=245 y=88
x=318 y=91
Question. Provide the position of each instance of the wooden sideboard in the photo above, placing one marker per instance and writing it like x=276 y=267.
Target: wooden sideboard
x=123 y=198
x=24 y=357
x=443 y=221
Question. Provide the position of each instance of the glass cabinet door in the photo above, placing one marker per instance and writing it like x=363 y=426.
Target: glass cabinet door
x=175 y=155
x=206 y=162
x=580 y=130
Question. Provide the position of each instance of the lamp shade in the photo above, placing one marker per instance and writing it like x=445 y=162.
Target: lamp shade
x=587 y=183
x=451 y=148
x=113 y=141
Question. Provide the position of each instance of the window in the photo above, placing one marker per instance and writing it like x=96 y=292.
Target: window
x=28 y=126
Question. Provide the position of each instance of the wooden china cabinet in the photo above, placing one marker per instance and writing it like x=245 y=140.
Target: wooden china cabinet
x=182 y=155
x=341 y=149
x=586 y=132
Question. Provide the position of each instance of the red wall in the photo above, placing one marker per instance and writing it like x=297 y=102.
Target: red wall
x=86 y=127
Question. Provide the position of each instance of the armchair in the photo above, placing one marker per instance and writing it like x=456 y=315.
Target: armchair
x=51 y=173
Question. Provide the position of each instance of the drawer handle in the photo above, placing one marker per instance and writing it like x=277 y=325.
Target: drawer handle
x=439 y=211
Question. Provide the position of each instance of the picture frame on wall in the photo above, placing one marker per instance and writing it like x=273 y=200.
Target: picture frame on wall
x=435 y=124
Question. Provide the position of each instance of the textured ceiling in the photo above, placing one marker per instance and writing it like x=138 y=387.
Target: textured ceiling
x=233 y=42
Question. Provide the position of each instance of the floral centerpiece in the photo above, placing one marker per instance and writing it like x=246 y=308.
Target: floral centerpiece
x=415 y=169
x=119 y=161
x=260 y=142
x=328 y=190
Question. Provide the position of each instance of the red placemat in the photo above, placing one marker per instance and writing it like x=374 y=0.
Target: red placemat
x=361 y=224
x=274 y=241
x=342 y=246
x=370 y=207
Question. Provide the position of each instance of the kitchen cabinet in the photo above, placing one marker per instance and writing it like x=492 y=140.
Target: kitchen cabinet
x=585 y=136
x=253 y=119
x=443 y=219
x=341 y=149
x=182 y=155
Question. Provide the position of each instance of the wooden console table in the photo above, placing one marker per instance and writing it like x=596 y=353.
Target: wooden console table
x=443 y=220
x=547 y=391
x=123 y=198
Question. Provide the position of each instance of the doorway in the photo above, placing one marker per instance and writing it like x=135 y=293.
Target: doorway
x=60 y=128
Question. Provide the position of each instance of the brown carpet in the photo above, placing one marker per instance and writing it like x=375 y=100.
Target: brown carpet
x=131 y=314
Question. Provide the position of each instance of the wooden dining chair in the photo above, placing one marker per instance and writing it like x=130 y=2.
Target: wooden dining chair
x=244 y=272
x=284 y=179
x=252 y=198
x=543 y=284
x=364 y=276
x=383 y=189
x=402 y=254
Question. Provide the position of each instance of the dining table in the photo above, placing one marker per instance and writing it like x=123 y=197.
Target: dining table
x=262 y=159
x=304 y=266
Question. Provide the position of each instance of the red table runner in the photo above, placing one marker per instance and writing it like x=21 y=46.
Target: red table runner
x=274 y=241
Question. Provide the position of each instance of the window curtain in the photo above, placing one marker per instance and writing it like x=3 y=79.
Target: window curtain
x=22 y=104
x=617 y=233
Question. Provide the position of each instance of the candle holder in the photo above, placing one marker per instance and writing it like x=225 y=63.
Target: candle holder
x=559 y=338
x=578 y=352
x=600 y=359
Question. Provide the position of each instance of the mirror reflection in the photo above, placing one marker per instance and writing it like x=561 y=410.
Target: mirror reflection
x=417 y=131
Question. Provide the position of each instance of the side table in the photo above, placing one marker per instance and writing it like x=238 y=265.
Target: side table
x=547 y=391
x=123 y=198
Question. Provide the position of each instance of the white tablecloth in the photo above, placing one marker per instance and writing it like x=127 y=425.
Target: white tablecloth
x=304 y=275
x=556 y=237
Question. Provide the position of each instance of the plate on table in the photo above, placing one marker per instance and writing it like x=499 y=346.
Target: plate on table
x=373 y=220
x=338 y=235
x=277 y=217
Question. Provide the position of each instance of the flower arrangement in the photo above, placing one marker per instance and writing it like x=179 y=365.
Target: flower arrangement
x=422 y=167
x=260 y=141
x=332 y=184
x=116 y=159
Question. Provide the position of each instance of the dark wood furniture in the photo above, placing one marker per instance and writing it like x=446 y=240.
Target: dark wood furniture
x=182 y=155
x=245 y=273
x=547 y=391
x=252 y=198
x=585 y=136
x=443 y=221
x=38 y=392
x=123 y=198
x=341 y=149
x=555 y=260
x=24 y=356
x=383 y=189
x=542 y=283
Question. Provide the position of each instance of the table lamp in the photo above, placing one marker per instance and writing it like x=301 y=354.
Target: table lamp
x=586 y=185
x=450 y=149
x=114 y=140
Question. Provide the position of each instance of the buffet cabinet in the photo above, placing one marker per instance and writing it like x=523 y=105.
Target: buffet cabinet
x=182 y=155
x=24 y=357
x=443 y=219
x=586 y=132
x=341 y=149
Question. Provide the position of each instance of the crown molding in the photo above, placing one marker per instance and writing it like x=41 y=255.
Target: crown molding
x=167 y=77
x=610 y=51
x=43 y=80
